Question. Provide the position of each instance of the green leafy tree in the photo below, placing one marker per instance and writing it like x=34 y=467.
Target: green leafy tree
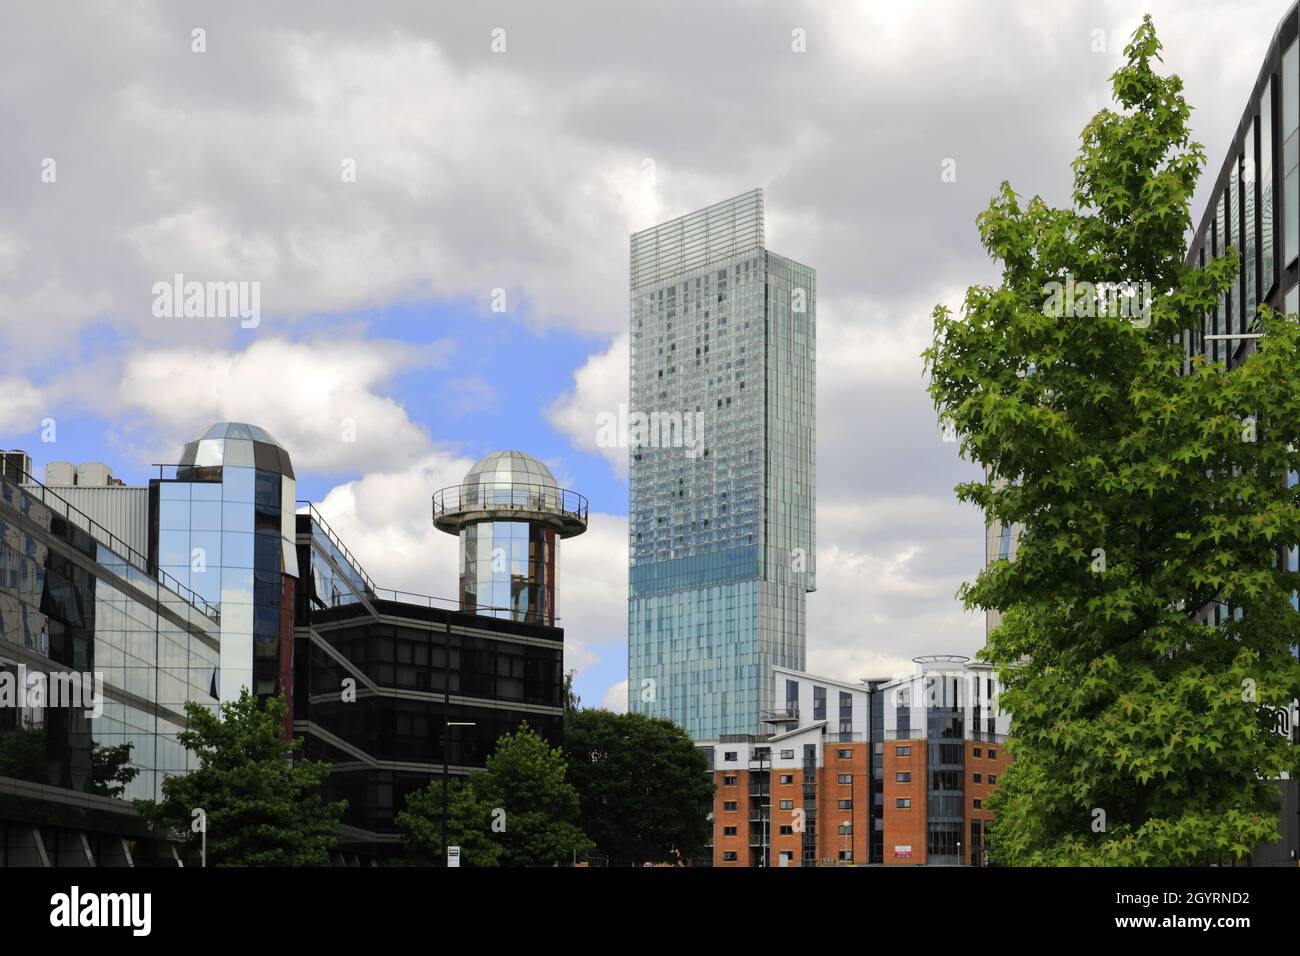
x=521 y=804
x=263 y=807
x=1141 y=735
x=645 y=789
x=469 y=826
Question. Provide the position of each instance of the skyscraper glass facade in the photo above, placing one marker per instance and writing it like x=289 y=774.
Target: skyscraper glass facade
x=723 y=469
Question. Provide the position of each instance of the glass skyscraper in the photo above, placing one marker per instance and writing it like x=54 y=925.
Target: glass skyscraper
x=722 y=429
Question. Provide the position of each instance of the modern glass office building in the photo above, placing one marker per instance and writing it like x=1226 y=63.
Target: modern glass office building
x=722 y=429
x=82 y=611
x=223 y=525
x=394 y=689
x=1260 y=174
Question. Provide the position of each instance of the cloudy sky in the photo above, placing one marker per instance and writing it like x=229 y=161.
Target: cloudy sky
x=435 y=199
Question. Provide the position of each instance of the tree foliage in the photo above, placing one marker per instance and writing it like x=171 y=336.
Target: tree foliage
x=1141 y=734
x=520 y=811
x=469 y=826
x=263 y=807
x=645 y=788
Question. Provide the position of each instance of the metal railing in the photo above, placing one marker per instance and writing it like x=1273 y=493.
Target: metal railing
x=79 y=519
x=476 y=496
x=845 y=737
x=335 y=540
x=210 y=474
x=390 y=594
x=978 y=736
x=780 y=716
x=429 y=600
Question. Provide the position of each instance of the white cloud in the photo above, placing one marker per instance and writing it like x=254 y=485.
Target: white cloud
x=24 y=405
x=600 y=387
x=593 y=583
x=386 y=521
x=615 y=698
x=320 y=399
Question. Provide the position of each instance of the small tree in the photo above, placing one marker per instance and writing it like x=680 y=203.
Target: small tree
x=521 y=804
x=263 y=807
x=644 y=786
x=469 y=826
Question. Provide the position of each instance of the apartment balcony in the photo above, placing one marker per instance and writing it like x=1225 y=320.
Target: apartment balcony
x=844 y=737
x=788 y=715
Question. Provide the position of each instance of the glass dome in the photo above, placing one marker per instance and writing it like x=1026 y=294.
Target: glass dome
x=510 y=467
x=237 y=444
x=509 y=486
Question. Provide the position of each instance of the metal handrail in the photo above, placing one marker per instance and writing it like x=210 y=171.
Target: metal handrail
x=429 y=599
x=335 y=540
x=115 y=544
x=390 y=594
x=474 y=496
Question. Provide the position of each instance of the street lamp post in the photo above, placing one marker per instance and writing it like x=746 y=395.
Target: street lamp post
x=447 y=724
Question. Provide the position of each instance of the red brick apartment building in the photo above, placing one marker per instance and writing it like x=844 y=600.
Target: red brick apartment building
x=893 y=772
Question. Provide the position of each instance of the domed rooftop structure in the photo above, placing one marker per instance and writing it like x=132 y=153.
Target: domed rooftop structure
x=510 y=515
x=237 y=444
x=510 y=486
x=510 y=466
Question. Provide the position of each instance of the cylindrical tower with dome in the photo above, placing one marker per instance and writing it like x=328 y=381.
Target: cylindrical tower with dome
x=510 y=516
